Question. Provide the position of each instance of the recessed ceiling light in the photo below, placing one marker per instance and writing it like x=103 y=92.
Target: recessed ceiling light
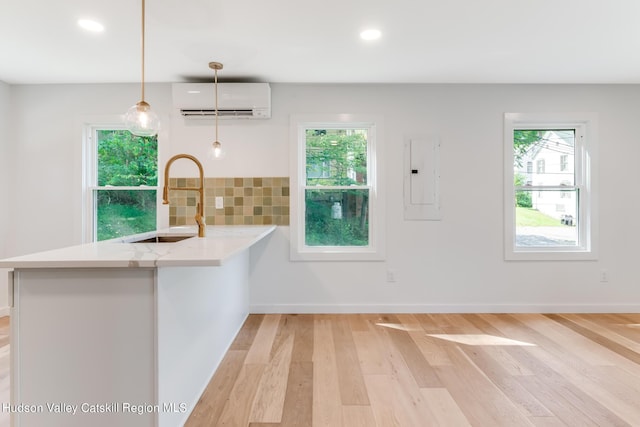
x=370 y=34
x=90 y=25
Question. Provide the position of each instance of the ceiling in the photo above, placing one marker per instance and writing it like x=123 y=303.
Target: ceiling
x=423 y=41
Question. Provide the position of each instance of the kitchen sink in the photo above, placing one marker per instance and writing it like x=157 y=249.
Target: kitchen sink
x=165 y=238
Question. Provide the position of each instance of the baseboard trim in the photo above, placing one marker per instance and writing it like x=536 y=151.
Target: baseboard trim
x=444 y=308
x=5 y=311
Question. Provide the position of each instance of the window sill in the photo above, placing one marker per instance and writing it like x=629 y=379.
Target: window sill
x=551 y=255
x=335 y=254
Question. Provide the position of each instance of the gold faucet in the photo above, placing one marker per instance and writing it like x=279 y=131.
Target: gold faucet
x=200 y=207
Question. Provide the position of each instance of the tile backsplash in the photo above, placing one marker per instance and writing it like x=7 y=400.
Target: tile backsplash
x=246 y=201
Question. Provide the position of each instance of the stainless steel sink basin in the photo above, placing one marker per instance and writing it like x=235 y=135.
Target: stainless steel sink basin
x=166 y=238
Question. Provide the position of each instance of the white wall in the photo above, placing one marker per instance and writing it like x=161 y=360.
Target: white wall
x=4 y=172
x=5 y=188
x=449 y=265
x=457 y=264
x=47 y=167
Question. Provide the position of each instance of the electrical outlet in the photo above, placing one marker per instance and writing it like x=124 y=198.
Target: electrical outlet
x=604 y=276
x=219 y=202
x=391 y=276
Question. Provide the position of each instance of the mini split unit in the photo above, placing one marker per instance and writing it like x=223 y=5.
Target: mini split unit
x=235 y=100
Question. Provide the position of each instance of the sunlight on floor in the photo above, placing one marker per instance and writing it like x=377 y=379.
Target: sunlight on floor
x=468 y=339
x=399 y=326
x=479 y=339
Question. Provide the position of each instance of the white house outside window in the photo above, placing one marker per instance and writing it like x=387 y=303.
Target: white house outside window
x=336 y=201
x=121 y=178
x=550 y=213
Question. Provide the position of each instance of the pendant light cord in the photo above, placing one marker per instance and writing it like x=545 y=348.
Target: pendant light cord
x=215 y=84
x=142 y=80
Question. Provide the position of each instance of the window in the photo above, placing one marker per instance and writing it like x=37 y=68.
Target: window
x=564 y=162
x=336 y=203
x=121 y=178
x=552 y=216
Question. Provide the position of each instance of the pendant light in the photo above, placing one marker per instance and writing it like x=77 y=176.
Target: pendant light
x=216 y=151
x=140 y=120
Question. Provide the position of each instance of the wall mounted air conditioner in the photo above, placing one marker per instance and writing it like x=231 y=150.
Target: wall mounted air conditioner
x=235 y=100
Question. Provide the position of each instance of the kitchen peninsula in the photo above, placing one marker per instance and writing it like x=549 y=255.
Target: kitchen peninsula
x=123 y=333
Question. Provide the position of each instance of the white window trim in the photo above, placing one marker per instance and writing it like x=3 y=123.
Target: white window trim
x=375 y=251
x=586 y=180
x=89 y=169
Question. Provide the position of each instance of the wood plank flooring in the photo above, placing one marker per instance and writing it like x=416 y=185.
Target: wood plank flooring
x=4 y=369
x=420 y=370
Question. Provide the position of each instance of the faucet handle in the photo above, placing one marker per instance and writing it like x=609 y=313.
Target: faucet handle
x=165 y=195
x=200 y=221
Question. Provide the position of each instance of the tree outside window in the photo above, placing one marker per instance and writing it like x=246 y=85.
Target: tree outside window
x=337 y=204
x=124 y=173
x=336 y=190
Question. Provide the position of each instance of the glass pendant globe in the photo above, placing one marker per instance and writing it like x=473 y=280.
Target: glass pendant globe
x=216 y=152
x=140 y=120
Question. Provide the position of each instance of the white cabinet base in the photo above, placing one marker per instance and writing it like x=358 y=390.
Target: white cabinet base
x=120 y=346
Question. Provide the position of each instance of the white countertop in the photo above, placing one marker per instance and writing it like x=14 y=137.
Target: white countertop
x=220 y=243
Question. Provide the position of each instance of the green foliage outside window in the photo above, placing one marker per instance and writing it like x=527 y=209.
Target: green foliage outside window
x=523 y=198
x=125 y=212
x=324 y=229
x=336 y=157
x=336 y=216
x=125 y=160
x=523 y=141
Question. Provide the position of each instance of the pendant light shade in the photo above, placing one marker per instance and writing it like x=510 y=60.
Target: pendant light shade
x=140 y=120
x=216 y=152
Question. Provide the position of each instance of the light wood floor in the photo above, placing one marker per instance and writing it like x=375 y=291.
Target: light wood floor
x=420 y=370
x=4 y=368
x=428 y=370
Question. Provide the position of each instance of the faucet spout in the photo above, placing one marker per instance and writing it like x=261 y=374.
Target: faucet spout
x=200 y=219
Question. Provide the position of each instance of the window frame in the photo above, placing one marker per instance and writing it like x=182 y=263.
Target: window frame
x=585 y=158
x=90 y=177
x=375 y=250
